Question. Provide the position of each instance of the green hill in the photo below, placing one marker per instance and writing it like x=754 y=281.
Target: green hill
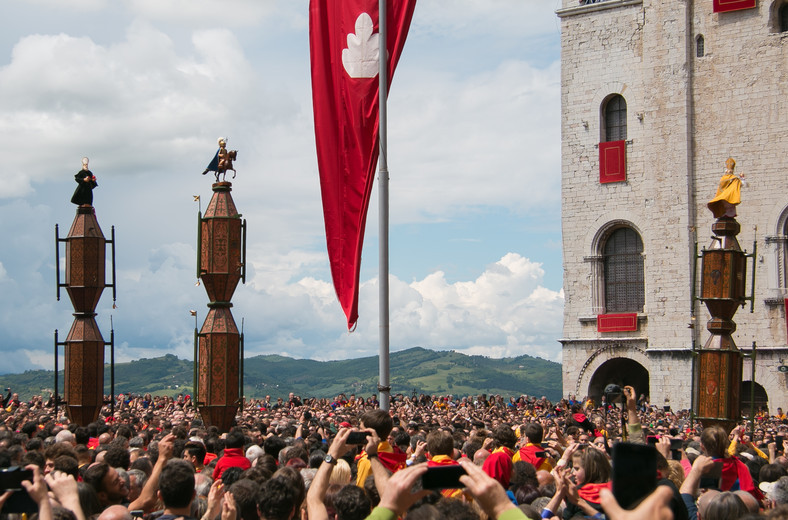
x=414 y=370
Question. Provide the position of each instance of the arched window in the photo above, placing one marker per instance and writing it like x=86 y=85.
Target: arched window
x=782 y=261
x=615 y=118
x=777 y=261
x=780 y=244
x=700 y=46
x=623 y=271
x=782 y=17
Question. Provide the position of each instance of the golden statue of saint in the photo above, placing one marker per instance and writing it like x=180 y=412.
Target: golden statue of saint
x=728 y=192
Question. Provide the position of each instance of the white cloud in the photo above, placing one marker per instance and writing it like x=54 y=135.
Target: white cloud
x=505 y=310
x=146 y=97
x=136 y=104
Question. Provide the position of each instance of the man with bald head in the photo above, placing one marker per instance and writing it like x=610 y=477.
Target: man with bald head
x=104 y=439
x=544 y=477
x=480 y=456
x=749 y=501
x=704 y=500
x=116 y=512
x=66 y=436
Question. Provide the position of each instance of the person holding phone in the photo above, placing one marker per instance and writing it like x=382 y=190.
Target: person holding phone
x=533 y=452
x=315 y=498
x=382 y=423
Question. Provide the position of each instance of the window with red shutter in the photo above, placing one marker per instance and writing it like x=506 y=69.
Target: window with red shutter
x=613 y=148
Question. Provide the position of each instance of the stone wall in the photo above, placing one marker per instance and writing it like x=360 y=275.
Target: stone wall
x=685 y=116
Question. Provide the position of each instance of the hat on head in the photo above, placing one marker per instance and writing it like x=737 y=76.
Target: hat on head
x=766 y=487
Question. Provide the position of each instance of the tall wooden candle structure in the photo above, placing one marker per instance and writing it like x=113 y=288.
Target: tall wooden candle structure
x=221 y=265
x=84 y=282
x=724 y=268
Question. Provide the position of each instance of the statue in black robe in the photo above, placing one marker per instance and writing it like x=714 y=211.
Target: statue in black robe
x=86 y=181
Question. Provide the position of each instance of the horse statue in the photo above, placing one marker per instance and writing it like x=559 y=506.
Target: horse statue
x=222 y=161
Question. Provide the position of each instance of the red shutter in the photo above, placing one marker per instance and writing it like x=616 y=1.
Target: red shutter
x=723 y=6
x=617 y=322
x=612 y=161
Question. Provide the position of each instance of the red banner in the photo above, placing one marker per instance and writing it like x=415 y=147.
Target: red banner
x=617 y=322
x=723 y=6
x=612 y=161
x=344 y=48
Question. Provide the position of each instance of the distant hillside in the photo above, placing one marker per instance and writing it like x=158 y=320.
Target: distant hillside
x=414 y=370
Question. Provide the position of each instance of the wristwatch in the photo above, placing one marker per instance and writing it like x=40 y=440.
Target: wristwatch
x=329 y=459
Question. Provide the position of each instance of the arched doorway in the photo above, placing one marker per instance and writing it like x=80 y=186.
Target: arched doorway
x=761 y=398
x=622 y=372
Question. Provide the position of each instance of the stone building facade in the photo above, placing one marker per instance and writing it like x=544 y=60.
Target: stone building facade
x=656 y=95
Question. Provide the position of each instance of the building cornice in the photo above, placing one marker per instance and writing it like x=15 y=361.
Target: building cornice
x=603 y=340
x=596 y=6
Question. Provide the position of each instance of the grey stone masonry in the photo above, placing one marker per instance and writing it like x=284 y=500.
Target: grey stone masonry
x=686 y=114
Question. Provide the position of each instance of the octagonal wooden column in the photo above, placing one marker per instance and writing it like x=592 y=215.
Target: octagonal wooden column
x=220 y=344
x=719 y=363
x=84 y=346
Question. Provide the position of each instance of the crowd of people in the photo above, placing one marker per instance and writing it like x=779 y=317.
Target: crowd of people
x=427 y=457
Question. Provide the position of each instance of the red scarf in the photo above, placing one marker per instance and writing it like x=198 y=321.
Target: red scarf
x=442 y=460
x=735 y=475
x=590 y=492
x=528 y=454
x=499 y=465
x=391 y=461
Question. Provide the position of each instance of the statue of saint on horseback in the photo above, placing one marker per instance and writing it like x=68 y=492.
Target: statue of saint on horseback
x=222 y=161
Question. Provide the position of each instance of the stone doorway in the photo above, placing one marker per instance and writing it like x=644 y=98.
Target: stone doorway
x=619 y=371
x=761 y=398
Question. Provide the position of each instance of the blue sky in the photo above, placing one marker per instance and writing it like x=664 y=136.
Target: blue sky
x=144 y=88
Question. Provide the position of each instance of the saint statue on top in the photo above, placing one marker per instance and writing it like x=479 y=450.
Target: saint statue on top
x=728 y=192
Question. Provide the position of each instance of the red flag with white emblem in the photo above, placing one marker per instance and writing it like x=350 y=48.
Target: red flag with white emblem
x=345 y=49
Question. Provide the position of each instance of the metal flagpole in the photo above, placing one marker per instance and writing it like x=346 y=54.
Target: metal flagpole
x=383 y=187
